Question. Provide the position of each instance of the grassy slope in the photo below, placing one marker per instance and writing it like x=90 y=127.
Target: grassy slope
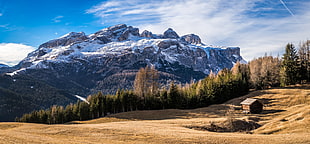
x=286 y=119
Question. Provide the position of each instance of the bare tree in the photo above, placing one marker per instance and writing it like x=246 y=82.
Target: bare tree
x=265 y=72
x=146 y=82
x=304 y=60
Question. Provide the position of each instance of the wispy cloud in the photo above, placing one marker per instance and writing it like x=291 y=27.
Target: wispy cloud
x=9 y=27
x=286 y=7
x=12 y=53
x=1 y=14
x=248 y=24
x=57 y=19
x=5 y=26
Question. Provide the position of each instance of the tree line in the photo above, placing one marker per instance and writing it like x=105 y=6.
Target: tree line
x=148 y=94
x=292 y=68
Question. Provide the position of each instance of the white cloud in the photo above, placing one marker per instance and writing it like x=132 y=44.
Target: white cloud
x=12 y=53
x=5 y=26
x=257 y=26
x=57 y=19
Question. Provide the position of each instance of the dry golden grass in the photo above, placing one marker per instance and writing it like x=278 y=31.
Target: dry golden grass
x=285 y=120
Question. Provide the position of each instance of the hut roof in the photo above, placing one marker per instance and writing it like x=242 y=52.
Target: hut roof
x=248 y=101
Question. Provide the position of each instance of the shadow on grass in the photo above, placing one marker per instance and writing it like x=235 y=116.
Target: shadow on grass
x=271 y=111
x=237 y=101
x=212 y=111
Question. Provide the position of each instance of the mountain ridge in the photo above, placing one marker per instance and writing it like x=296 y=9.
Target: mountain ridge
x=120 y=39
x=108 y=54
x=107 y=60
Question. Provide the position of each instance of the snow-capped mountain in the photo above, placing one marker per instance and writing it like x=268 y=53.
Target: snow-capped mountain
x=108 y=59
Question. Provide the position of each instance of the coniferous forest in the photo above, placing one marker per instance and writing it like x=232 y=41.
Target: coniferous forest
x=261 y=73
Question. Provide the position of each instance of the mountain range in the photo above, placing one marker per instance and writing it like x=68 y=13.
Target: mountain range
x=107 y=60
x=3 y=65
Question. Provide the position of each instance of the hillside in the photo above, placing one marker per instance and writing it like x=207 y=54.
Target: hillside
x=107 y=60
x=23 y=94
x=285 y=119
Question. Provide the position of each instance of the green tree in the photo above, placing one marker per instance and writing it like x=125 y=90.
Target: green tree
x=289 y=68
x=69 y=113
x=174 y=99
x=83 y=111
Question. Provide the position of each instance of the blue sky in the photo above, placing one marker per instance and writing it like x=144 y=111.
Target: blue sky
x=257 y=26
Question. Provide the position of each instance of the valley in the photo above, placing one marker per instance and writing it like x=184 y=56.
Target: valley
x=105 y=61
x=285 y=119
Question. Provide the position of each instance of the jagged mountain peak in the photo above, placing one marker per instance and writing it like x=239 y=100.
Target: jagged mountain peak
x=121 y=50
x=119 y=32
x=122 y=39
x=72 y=37
x=108 y=59
x=191 y=39
x=115 y=27
x=147 y=34
x=170 y=33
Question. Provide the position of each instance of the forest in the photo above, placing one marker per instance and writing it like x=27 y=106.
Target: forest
x=148 y=94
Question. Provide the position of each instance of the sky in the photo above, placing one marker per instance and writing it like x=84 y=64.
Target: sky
x=258 y=27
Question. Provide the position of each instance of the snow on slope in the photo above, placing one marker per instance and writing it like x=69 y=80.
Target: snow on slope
x=121 y=40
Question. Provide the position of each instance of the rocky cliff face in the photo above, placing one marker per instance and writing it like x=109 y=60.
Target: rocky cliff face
x=65 y=40
x=108 y=59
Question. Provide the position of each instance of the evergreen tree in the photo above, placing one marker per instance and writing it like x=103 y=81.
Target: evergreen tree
x=242 y=70
x=289 y=69
x=69 y=113
x=174 y=99
x=83 y=111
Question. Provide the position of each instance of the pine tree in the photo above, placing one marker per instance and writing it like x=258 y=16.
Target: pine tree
x=244 y=71
x=289 y=69
x=174 y=99
x=69 y=114
x=83 y=111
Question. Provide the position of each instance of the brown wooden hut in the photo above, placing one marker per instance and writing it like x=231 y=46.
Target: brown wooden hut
x=251 y=105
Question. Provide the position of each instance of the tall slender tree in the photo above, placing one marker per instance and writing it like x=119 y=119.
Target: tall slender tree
x=146 y=82
x=289 y=69
x=304 y=60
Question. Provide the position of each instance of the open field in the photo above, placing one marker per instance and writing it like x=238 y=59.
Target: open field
x=285 y=119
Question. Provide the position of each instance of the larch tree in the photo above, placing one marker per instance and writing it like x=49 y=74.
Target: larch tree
x=264 y=72
x=304 y=61
x=146 y=82
x=140 y=83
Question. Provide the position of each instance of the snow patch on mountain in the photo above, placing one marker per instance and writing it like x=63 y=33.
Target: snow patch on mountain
x=120 y=40
x=16 y=72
